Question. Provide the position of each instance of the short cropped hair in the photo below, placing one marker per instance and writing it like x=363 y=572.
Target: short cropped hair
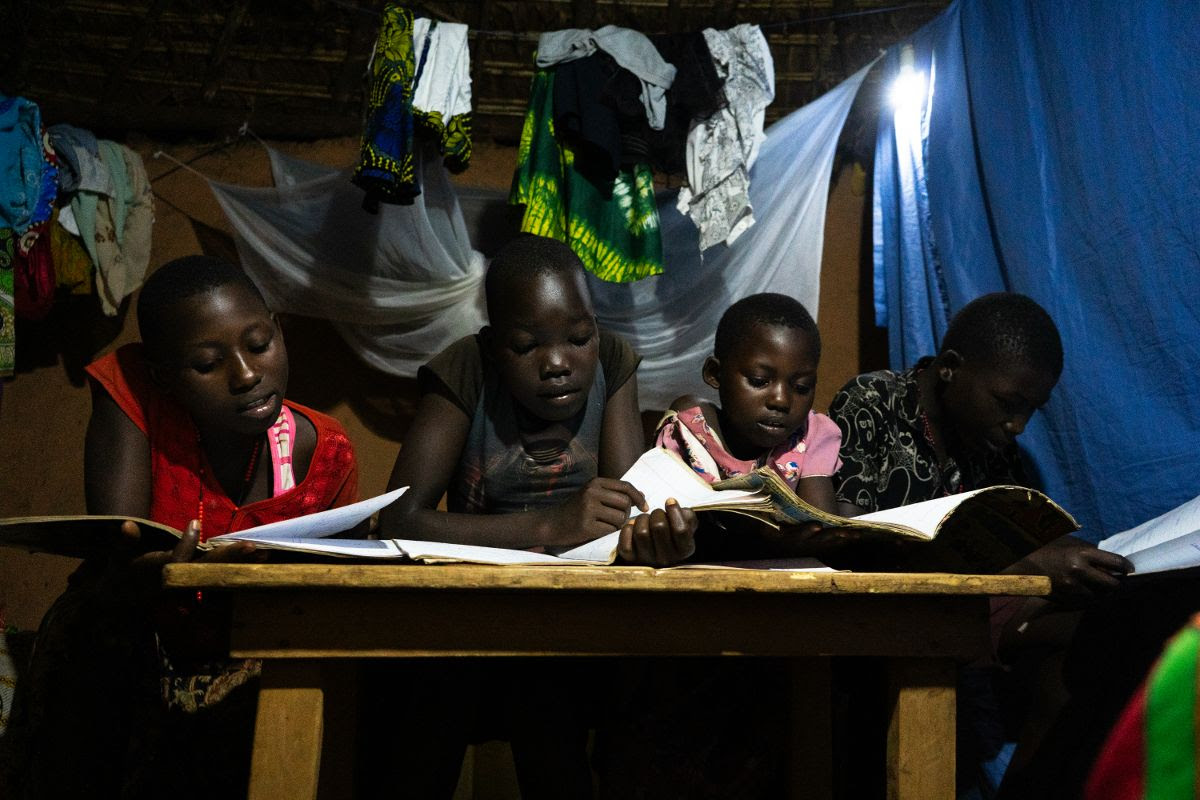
x=1006 y=328
x=767 y=308
x=176 y=281
x=523 y=257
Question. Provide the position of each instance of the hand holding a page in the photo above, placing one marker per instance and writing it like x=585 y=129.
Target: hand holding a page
x=663 y=537
x=145 y=569
x=1077 y=569
x=600 y=508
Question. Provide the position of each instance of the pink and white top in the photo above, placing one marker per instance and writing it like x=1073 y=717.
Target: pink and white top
x=280 y=436
x=809 y=452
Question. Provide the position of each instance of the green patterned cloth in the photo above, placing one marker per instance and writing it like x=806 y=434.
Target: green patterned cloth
x=616 y=235
x=8 y=317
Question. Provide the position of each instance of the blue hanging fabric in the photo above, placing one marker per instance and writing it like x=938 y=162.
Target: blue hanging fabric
x=1060 y=161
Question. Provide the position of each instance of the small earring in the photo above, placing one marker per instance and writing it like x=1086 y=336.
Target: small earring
x=946 y=373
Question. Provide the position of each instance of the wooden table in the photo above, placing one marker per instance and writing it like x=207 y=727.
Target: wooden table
x=299 y=616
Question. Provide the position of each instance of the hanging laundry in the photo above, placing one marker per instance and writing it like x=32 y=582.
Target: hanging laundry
x=697 y=93
x=722 y=148
x=33 y=276
x=614 y=230
x=72 y=265
x=28 y=176
x=385 y=167
x=116 y=230
x=80 y=166
x=630 y=49
x=587 y=116
x=442 y=98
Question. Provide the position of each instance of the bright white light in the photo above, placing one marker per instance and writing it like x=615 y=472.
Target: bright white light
x=908 y=88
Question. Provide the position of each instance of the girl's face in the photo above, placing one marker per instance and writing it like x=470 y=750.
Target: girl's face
x=228 y=365
x=546 y=346
x=766 y=383
x=989 y=405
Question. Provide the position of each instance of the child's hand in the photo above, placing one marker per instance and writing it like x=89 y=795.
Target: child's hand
x=601 y=508
x=813 y=539
x=145 y=570
x=1078 y=570
x=659 y=538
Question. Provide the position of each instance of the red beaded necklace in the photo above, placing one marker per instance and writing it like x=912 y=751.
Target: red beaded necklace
x=247 y=481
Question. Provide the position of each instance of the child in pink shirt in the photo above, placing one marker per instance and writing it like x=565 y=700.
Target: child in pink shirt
x=764 y=367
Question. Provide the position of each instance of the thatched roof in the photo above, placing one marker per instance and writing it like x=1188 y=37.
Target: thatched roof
x=296 y=68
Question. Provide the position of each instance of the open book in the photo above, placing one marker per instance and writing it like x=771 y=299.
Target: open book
x=86 y=536
x=984 y=530
x=1167 y=542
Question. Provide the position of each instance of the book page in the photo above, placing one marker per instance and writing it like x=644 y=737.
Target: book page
x=661 y=475
x=1178 y=522
x=1180 y=553
x=602 y=550
x=315 y=526
x=923 y=517
x=347 y=548
x=441 y=552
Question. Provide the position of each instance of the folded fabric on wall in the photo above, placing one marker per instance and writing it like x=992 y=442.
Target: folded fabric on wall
x=402 y=285
x=1055 y=155
x=399 y=285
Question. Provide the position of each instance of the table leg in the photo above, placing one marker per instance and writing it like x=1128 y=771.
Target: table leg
x=288 y=731
x=921 y=732
x=810 y=730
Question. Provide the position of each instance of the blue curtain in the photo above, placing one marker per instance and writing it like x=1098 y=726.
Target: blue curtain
x=1057 y=153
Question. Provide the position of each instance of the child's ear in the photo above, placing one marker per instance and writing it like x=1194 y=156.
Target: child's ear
x=711 y=371
x=948 y=362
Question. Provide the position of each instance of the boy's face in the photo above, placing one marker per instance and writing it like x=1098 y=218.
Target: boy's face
x=227 y=362
x=766 y=383
x=989 y=405
x=546 y=346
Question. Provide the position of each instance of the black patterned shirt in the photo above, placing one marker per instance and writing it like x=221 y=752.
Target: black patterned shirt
x=887 y=458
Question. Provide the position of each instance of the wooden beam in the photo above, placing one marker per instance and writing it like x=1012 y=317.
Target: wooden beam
x=220 y=50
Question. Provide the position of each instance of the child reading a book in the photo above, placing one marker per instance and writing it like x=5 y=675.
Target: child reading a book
x=950 y=424
x=764 y=368
x=526 y=427
x=189 y=428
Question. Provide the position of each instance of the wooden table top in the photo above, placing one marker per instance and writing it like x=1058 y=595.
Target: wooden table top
x=375 y=577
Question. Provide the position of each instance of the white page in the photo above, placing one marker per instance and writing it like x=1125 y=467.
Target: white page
x=1178 y=553
x=473 y=554
x=318 y=525
x=660 y=475
x=603 y=549
x=1179 y=521
x=924 y=516
x=352 y=548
